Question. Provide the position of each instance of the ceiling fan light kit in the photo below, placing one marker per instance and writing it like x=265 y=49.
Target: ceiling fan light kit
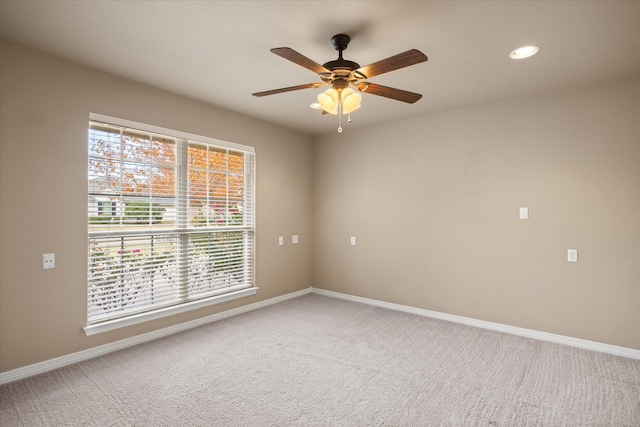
x=346 y=79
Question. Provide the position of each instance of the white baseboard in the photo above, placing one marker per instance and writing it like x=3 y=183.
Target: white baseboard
x=529 y=333
x=69 y=359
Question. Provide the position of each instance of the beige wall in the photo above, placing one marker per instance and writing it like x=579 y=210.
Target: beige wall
x=44 y=111
x=434 y=203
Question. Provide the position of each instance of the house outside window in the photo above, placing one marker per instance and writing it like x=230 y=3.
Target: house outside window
x=171 y=222
x=106 y=208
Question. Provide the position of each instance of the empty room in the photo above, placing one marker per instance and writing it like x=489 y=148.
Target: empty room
x=319 y=213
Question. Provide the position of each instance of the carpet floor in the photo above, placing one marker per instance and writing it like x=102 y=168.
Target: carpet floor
x=320 y=361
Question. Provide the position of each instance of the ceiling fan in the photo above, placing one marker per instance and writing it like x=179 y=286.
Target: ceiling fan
x=346 y=79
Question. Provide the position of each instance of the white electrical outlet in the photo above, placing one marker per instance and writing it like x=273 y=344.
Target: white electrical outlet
x=48 y=261
x=572 y=255
x=353 y=241
x=294 y=239
x=280 y=240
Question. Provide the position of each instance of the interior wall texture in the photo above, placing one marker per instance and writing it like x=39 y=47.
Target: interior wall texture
x=434 y=205
x=44 y=112
x=432 y=201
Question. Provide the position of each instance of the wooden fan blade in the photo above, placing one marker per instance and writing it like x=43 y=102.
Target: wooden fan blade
x=298 y=58
x=401 y=60
x=389 y=92
x=286 y=89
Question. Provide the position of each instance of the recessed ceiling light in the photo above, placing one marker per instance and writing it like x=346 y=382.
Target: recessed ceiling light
x=524 y=52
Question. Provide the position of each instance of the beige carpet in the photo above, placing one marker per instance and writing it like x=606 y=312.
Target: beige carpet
x=319 y=361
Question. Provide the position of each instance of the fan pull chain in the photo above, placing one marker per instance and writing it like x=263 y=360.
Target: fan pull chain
x=340 y=112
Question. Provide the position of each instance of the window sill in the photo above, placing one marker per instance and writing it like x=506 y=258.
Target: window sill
x=111 y=325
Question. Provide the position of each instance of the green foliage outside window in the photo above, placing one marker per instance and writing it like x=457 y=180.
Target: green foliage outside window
x=140 y=212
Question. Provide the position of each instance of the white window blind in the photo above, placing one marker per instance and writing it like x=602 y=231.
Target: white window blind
x=171 y=219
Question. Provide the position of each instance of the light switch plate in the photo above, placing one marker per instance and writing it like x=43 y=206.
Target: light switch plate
x=280 y=240
x=524 y=213
x=294 y=239
x=572 y=255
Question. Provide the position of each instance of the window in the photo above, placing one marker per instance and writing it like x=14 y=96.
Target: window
x=106 y=208
x=171 y=222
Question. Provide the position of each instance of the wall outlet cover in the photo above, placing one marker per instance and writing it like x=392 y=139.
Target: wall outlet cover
x=48 y=261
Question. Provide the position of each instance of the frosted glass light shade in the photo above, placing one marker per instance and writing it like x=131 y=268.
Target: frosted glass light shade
x=350 y=101
x=330 y=99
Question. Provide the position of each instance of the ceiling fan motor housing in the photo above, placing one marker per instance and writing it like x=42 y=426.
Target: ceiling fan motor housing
x=341 y=64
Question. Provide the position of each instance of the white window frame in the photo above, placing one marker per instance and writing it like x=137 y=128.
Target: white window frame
x=181 y=221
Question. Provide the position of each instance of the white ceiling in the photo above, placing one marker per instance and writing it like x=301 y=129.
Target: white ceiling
x=218 y=51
